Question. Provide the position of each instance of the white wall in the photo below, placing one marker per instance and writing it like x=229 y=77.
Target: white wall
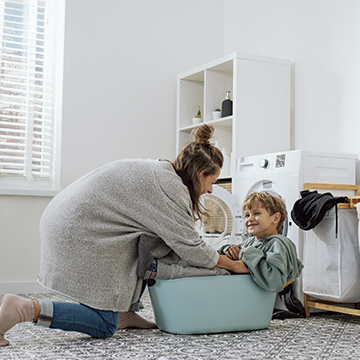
x=322 y=39
x=121 y=63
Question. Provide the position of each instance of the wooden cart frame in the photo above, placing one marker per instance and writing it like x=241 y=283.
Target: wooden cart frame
x=328 y=305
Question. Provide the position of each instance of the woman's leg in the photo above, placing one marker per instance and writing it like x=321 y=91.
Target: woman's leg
x=149 y=268
x=78 y=317
x=181 y=270
x=57 y=315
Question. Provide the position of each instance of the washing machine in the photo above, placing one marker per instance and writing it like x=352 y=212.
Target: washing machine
x=284 y=174
x=225 y=222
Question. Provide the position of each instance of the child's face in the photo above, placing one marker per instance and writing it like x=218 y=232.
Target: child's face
x=259 y=222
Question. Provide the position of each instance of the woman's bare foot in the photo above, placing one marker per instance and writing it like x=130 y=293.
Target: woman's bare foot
x=129 y=319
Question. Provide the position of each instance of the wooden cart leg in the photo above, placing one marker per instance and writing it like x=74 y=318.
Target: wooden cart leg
x=306 y=306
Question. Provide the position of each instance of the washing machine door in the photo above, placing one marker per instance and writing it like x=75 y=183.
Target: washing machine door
x=224 y=226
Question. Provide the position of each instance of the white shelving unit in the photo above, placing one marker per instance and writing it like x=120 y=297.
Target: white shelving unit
x=260 y=90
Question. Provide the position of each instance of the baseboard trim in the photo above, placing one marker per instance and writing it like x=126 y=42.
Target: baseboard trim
x=26 y=287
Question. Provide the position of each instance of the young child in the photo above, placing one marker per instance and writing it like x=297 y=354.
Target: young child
x=270 y=258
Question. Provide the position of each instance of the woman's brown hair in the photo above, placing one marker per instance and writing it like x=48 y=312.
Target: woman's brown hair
x=198 y=158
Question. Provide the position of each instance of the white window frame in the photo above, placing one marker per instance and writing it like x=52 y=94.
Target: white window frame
x=31 y=166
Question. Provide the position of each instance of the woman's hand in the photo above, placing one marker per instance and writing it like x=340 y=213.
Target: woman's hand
x=237 y=267
x=240 y=267
x=233 y=252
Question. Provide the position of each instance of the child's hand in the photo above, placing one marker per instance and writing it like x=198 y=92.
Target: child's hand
x=233 y=252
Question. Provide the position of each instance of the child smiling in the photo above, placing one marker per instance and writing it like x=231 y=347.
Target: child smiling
x=270 y=258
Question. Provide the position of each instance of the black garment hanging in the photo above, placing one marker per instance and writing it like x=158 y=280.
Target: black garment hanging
x=308 y=211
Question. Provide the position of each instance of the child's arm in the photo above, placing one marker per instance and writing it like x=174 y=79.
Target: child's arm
x=272 y=266
x=267 y=270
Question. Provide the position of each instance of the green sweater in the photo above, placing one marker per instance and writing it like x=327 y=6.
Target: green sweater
x=271 y=261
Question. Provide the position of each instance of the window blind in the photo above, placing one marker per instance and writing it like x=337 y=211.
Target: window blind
x=30 y=92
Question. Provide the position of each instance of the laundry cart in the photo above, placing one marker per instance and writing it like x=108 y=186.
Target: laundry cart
x=331 y=275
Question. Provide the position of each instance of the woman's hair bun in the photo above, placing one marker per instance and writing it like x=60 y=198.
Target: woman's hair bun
x=202 y=134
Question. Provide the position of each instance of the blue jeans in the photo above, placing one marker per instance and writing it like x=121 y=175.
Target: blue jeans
x=78 y=317
x=81 y=318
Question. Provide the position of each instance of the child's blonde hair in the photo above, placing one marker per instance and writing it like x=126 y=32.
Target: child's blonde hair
x=272 y=203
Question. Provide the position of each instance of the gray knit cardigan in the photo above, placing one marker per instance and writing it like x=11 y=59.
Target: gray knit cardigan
x=90 y=231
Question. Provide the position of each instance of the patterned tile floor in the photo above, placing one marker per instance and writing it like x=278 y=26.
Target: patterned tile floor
x=322 y=336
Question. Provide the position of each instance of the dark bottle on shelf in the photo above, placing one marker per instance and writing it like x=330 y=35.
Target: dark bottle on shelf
x=227 y=106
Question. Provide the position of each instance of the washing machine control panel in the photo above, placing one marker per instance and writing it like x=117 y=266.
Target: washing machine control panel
x=264 y=163
x=279 y=160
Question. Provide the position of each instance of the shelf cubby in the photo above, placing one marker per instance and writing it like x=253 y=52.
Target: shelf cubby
x=260 y=90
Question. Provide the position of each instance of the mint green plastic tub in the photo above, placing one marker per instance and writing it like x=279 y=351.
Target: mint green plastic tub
x=211 y=304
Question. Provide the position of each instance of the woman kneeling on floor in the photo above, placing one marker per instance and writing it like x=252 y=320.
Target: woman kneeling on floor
x=90 y=234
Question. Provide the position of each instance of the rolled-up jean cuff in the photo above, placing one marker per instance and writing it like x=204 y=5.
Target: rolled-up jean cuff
x=46 y=313
x=135 y=306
